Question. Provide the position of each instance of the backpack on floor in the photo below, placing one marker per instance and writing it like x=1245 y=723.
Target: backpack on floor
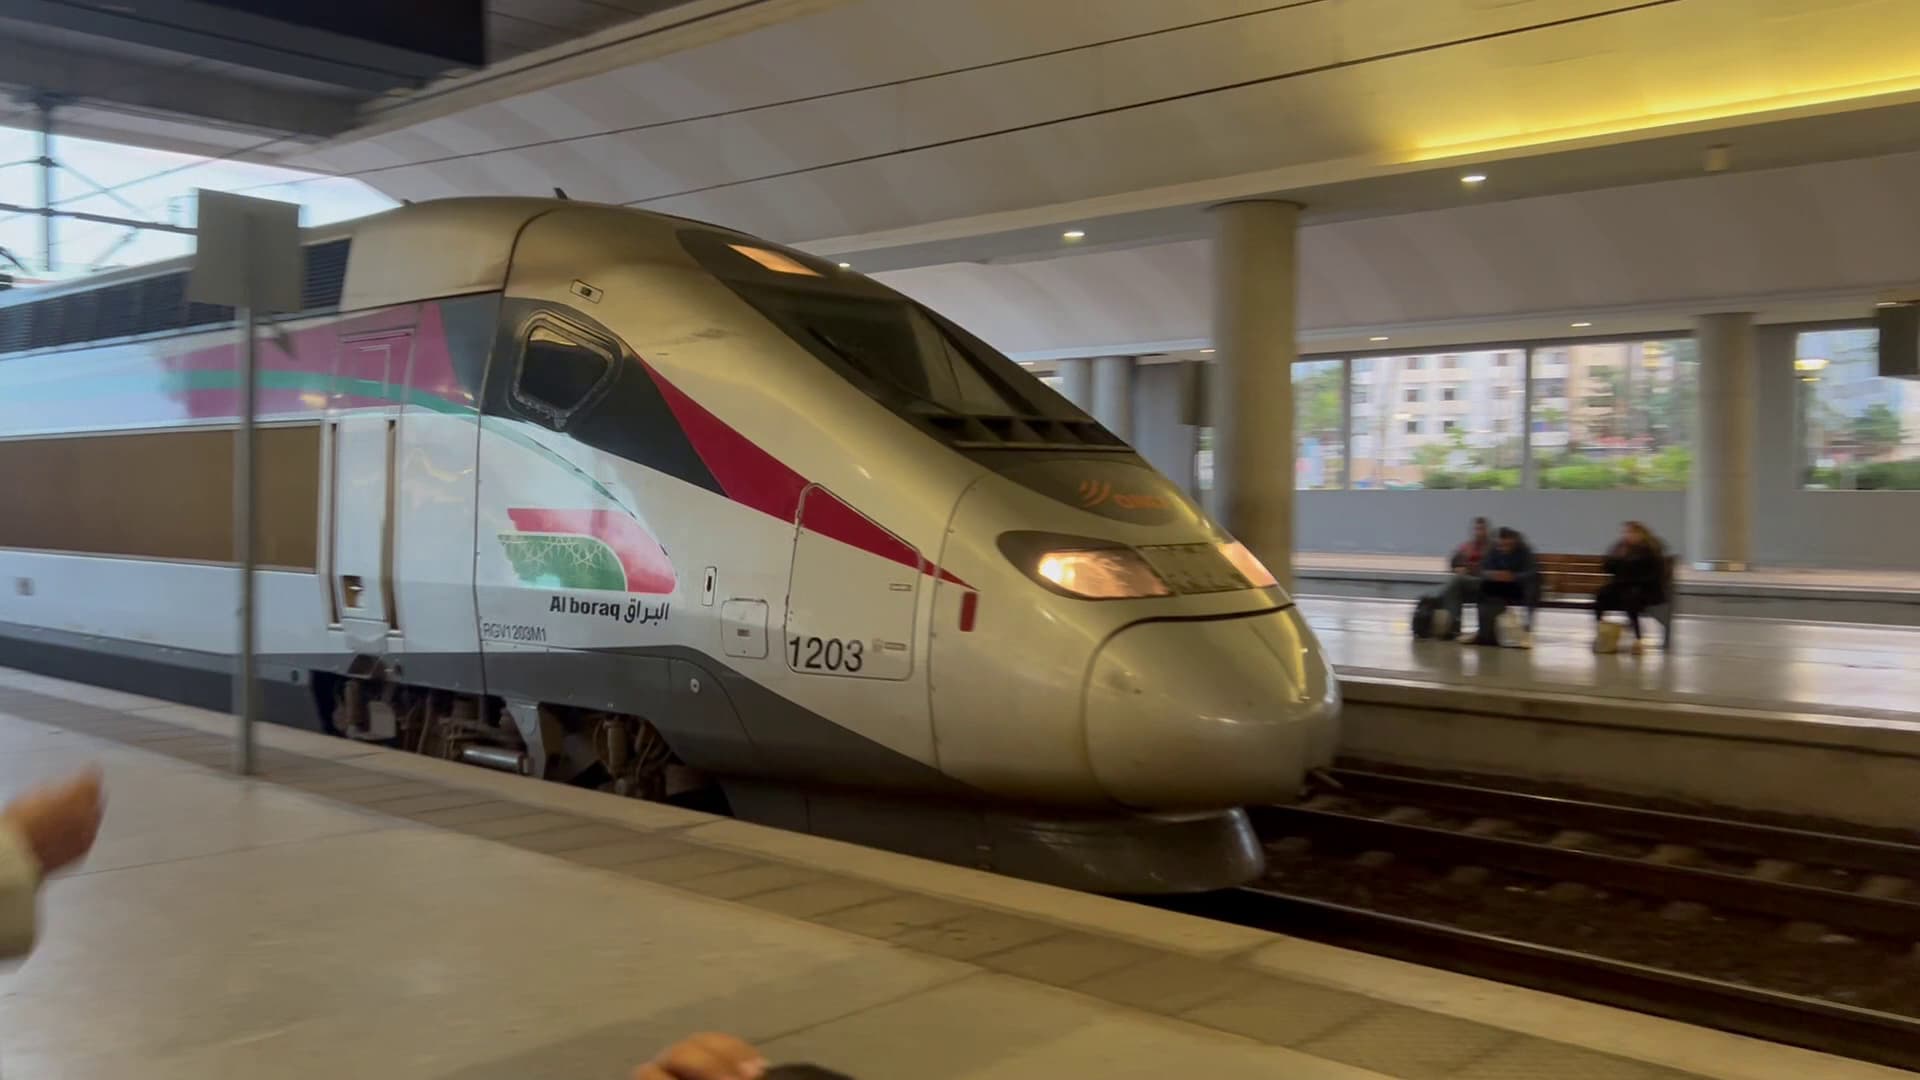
x=1427 y=617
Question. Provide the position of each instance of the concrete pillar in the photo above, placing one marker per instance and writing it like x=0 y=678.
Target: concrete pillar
x=1113 y=394
x=1162 y=431
x=1719 y=498
x=1076 y=383
x=1250 y=400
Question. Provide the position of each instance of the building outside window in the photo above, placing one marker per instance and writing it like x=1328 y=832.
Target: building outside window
x=1462 y=437
x=1203 y=462
x=1319 y=426
x=1858 y=431
x=1611 y=415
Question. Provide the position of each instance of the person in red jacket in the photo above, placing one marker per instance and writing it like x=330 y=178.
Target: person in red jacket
x=1463 y=587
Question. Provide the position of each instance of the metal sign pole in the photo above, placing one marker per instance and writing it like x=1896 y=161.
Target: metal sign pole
x=246 y=701
x=247 y=257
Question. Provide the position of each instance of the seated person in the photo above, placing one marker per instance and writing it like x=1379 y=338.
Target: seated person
x=1507 y=578
x=1636 y=569
x=1464 y=586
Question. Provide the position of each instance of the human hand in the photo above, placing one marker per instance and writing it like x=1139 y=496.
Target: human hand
x=707 y=1056
x=59 y=820
x=1501 y=575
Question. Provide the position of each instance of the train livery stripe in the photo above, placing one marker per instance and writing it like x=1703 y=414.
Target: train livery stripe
x=196 y=377
x=751 y=476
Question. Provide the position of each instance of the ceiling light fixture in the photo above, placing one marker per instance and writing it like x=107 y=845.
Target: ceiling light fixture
x=846 y=266
x=1074 y=234
x=1810 y=363
x=1474 y=178
x=1378 y=337
x=1206 y=352
x=1580 y=325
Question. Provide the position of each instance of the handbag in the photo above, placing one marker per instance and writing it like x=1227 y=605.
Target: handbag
x=1606 y=639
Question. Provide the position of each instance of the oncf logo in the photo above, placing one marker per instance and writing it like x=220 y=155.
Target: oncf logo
x=1095 y=493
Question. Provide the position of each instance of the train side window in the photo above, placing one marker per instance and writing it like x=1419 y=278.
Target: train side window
x=558 y=372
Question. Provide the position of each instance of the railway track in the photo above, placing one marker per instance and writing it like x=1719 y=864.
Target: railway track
x=1795 y=1020
x=1818 y=892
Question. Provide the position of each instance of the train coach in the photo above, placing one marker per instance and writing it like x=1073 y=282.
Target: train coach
x=628 y=501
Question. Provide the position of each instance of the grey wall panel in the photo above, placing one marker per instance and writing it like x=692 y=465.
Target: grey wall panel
x=1432 y=522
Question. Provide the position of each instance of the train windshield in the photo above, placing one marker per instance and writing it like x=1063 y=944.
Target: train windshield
x=897 y=351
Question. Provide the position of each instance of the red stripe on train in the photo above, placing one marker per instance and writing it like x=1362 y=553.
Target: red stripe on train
x=751 y=476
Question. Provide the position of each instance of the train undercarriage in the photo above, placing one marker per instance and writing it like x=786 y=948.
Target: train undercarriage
x=621 y=754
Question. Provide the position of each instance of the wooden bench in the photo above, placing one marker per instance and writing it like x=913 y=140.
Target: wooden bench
x=1570 y=581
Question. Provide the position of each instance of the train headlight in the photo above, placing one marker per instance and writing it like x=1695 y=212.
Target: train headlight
x=1084 y=568
x=1248 y=564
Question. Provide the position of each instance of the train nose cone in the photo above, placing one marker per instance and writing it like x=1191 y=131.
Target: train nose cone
x=1210 y=713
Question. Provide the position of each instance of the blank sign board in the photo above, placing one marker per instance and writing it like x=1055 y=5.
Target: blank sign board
x=1899 y=326
x=247 y=253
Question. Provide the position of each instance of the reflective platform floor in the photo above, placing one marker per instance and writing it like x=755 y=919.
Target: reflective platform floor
x=1842 y=669
x=362 y=913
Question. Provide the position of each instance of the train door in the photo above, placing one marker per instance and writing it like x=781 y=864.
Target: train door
x=364 y=430
x=848 y=613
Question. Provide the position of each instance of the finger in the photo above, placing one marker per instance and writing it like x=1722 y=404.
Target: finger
x=731 y=1048
x=692 y=1059
x=650 y=1072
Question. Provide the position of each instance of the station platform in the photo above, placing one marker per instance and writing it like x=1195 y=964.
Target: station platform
x=1864 y=671
x=361 y=912
x=1885 y=597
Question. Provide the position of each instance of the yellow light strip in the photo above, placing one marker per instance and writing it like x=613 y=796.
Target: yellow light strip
x=1694 y=112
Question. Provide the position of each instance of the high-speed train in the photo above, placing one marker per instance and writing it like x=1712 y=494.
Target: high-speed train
x=629 y=501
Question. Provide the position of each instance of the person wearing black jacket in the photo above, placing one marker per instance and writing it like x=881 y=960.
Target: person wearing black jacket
x=1507 y=578
x=1636 y=569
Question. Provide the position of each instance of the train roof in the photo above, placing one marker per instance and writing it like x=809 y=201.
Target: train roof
x=417 y=251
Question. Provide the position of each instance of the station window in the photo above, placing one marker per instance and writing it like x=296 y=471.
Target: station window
x=1610 y=415
x=1859 y=432
x=1450 y=362
x=1412 y=446
x=1319 y=426
x=558 y=371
